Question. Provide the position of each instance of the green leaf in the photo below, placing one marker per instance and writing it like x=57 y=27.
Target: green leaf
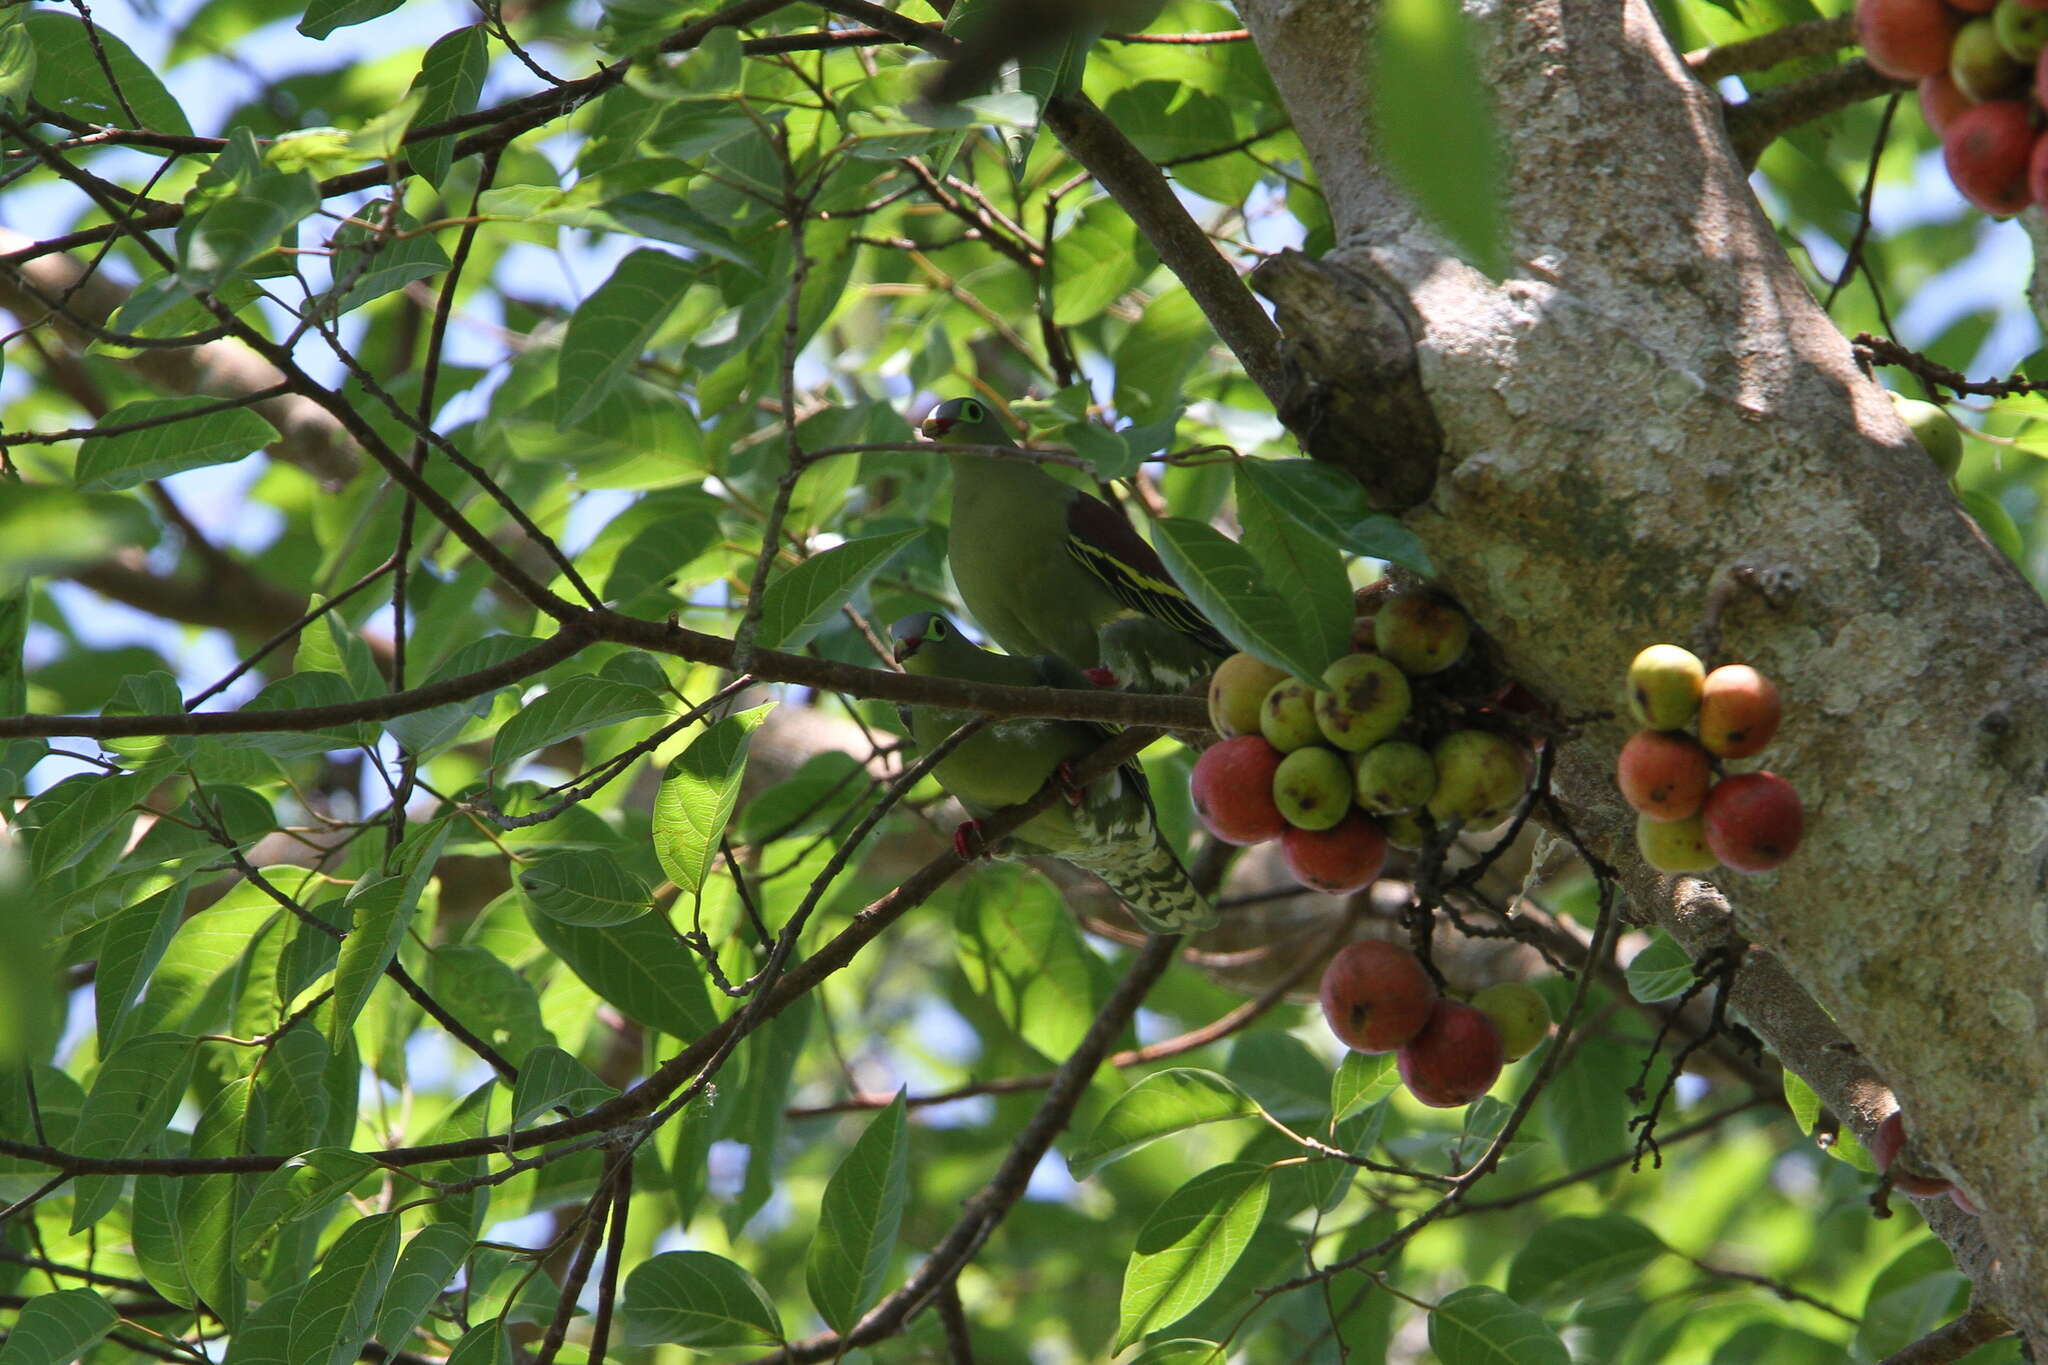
x=1996 y=523
x=1021 y=953
x=1094 y=261
x=1800 y=1099
x=127 y=458
x=489 y=998
x=324 y=16
x=612 y=327
x=585 y=886
x=1908 y=1299
x=1431 y=118
x=693 y=1298
x=797 y=604
x=1221 y=577
x=858 y=1220
x=130 y=947
x=70 y=78
x=1331 y=503
x=131 y=1102
x=50 y=531
x=82 y=812
x=1282 y=1076
x=639 y=967
x=304 y=1186
x=17 y=66
x=487 y=1343
x=1661 y=971
x=1577 y=1257
x=57 y=1327
x=368 y=264
x=1189 y=1244
x=549 y=1077
x=339 y=1311
x=265 y=1338
x=249 y=222
x=1481 y=1326
x=1164 y=1103
x=1362 y=1079
x=667 y=218
x=380 y=911
x=757 y=1103
x=1309 y=565
x=426 y=1267
x=698 y=792
x=451 y=77
x=570 y=708
x=1159 y=352
x=1182 y=1351
x=209 y=1205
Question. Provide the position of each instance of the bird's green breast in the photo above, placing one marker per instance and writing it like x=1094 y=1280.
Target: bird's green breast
x=1008 y=547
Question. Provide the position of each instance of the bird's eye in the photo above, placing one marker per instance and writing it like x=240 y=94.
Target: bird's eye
x=971 y=410
x=938 y=630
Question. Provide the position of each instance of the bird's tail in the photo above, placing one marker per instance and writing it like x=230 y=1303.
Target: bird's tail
x=1148 y=878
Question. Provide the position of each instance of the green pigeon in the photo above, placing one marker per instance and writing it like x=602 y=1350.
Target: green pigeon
x=1049 y=569
x=1106 y=828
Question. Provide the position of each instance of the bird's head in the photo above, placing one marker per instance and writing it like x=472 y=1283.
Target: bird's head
x=965 y=421
x=912 y=634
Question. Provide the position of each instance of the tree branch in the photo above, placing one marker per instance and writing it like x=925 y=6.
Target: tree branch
x=1814 y=38
x=1143 y=192
x=1762 y=119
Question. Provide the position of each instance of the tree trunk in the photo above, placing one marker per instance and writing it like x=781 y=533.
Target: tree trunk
x=1650 y=415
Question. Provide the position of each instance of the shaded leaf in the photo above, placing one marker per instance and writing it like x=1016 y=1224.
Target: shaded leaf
x=127 y=458
x=1661 y=971
x=1481 y=1326
x=637 y=966
x=549 y=1077
x=58 y=1327
x=1432 y=119
x=612 y=327
x=1221 y=577
x=570 y=708
x=69 y=76
x=1164 y=1103
x=798 y=603
x=693 y=1298
x=339 y=1310
x=858 y=1220
x=1020 y=951
x=698 y=792
x=1332 y=504
x=1572 y=1258
x=1188 y=1245
x=584 y=886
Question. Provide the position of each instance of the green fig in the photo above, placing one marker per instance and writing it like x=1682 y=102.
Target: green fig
x=1939 y=434
x=1364 y=699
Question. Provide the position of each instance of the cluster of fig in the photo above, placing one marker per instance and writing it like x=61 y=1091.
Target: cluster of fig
x=1378 y=997
x=1885 y=1145
x=1338 y=772
x=1688 y=817
x=1983 y=83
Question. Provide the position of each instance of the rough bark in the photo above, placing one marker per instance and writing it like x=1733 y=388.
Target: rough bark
x=1649 y=401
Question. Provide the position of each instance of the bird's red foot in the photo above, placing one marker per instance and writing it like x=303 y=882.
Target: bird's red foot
x=1069 y=788
x=1101 y=677
x=967 y=841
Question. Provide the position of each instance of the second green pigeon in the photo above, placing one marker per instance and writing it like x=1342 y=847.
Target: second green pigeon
x=1049 y=569
x=1106 y=828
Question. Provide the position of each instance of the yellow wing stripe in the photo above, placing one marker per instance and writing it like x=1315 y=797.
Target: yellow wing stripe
x=1155 y=597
